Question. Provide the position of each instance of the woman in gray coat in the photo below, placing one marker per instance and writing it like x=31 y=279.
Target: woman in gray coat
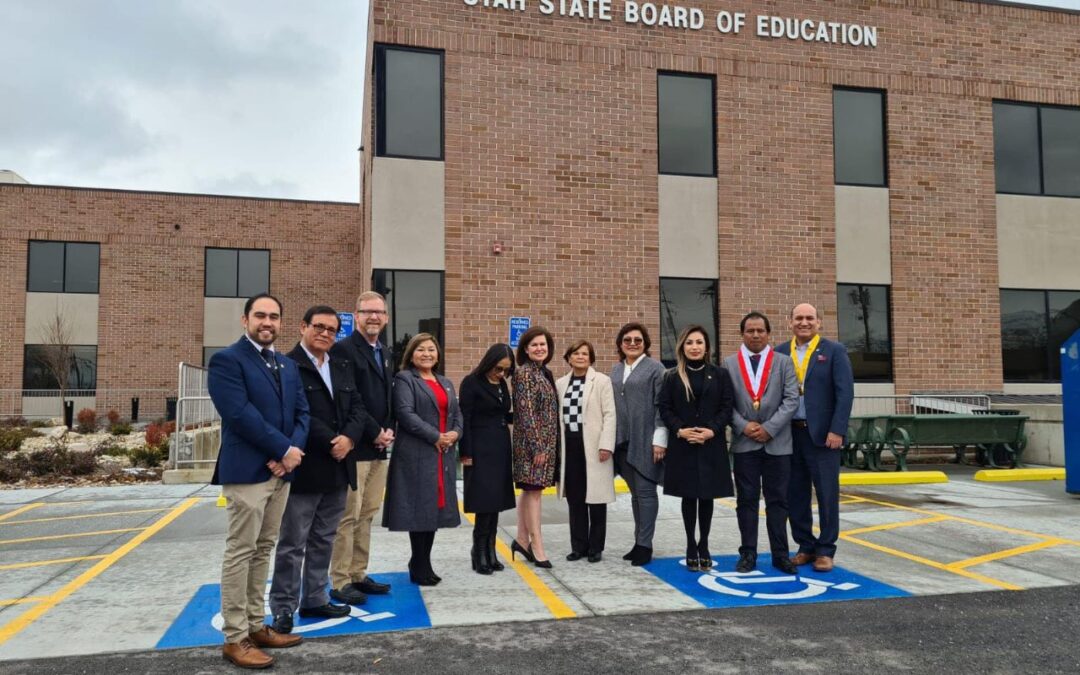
x=641 y=437
x=421 y=495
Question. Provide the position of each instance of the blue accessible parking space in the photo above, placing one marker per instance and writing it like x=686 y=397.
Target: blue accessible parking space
x=723 y=587
x=199 y=624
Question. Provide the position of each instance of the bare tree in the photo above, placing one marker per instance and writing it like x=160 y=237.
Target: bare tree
x=57 y=353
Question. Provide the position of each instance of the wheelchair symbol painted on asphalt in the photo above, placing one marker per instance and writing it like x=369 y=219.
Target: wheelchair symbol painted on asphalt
x=806 y=587
x=218 y=622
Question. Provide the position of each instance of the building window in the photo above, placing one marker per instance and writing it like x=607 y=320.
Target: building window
x=415 y=305
x=42 y=364
x=236 y=273
x=862 y=320
x=686 y=302
x=686 y=124
x=1034 y=325
x=409 y=102
x=62 y=267
x=859 y=154
x=1037 y=149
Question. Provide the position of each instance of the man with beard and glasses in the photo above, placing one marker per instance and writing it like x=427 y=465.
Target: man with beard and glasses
x=374 y=378
x=264 y=425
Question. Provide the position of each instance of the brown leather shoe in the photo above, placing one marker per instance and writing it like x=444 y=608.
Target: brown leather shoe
x=823 y=563
x=268 y=638
x=246 y=655
x=801 y=558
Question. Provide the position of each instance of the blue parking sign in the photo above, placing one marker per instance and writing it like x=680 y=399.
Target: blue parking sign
x=346 y=327
x=518 y=326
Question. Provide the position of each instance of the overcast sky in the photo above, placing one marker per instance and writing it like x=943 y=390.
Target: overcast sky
x=244 y=97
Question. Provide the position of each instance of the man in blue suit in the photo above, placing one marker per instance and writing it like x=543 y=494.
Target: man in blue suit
x=264 y=425
x=827 y=391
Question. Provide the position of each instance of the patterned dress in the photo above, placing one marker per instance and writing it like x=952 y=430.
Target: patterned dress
x=536 y=426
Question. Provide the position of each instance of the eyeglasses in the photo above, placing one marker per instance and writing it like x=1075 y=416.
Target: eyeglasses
x=321 y=328
x=499 y=370
x=371 y=312
x=633 y=340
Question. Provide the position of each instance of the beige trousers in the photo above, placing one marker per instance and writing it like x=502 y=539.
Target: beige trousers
x=254 y=511
x=352 y=545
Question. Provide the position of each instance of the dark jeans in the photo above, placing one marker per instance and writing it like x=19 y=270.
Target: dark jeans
x=756 y=472
x=817 y=467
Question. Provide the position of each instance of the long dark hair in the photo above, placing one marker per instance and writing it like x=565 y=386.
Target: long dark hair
x=495 y=353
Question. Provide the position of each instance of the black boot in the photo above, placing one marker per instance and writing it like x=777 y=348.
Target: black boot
x=481 y=562
x=494 y=559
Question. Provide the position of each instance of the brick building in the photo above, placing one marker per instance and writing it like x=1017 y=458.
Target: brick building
x=910 y=166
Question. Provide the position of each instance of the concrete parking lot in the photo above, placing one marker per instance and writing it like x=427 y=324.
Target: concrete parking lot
x=101 y=570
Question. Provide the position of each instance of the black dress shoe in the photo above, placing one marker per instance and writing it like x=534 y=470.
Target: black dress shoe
x=574 y=555
x=596 y=557
x=644 y=557
x=349 y=595
x=327 y=611
x=632 y=553
x=785 y=565
x=747 y=562
x=283 y=622
x=371 y=587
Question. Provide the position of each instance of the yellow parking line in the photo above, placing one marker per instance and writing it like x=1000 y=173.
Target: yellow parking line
x=555 y=604
x=12 y=628
x=999 y=555
x=933 y=563
x=23 y=601
x=69 y=536
x=54 y=561
x=21 y=509
x=893 y=526
x=84 y=515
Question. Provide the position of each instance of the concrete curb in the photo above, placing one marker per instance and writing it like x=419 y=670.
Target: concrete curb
x=1010 y=475
x=894 y=478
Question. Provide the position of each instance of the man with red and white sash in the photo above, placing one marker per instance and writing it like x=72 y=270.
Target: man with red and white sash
x=766 y=396
x=827 y=391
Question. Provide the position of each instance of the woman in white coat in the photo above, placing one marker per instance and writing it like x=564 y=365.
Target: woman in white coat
x=586 y=470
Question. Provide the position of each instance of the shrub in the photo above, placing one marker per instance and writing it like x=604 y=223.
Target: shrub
x=87 y=422
x=13 y=422
x=113 y=417
x=120 y=429
x=111 y=448
x=148 y=456
x=12 y=439
x=81 y=463
x=48 y=461
x=155 y=435
x=13 y=467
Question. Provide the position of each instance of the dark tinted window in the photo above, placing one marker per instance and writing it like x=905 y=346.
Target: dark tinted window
x=414 y=302
x=410 y=102
x=684 y=302
x=236 y=273
x=209 y=352
x=62 y=267
x=1016 y=148
x=1061 y=151
x=1064 y=321
x=859 y=137
x=41 y=363
x=686 y=117
x=1023 y=335
x=863 y=324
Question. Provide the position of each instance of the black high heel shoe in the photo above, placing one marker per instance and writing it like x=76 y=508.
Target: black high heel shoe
x=527 y=553
x=704 y=558
x=542 y=564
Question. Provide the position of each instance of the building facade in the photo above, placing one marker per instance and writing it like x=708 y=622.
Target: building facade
x=911 y=167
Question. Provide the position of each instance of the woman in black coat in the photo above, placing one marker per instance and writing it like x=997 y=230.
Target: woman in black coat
x=486 y=451
x=695 y=403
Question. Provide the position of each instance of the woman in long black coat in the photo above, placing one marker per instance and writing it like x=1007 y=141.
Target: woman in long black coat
x=695 y=403
x=486 y=451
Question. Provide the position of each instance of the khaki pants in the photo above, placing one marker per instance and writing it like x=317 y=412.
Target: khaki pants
x=254 y=511
x=352 y=545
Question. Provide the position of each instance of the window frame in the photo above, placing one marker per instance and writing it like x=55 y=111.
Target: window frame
x=1051 y=351
x=1039 y=149
x=884 y=139
x=716 y=356
x=379 y=75
x=63 y=265
x=206 y=267
x=67 y=392
x=711 y=77
x=889 y=329
x=391 y=312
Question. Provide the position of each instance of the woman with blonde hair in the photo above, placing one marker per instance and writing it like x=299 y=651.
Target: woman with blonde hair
x=696 y=402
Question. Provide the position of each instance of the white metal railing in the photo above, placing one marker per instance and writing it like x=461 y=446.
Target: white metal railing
x=920 y=404
x=197 y=438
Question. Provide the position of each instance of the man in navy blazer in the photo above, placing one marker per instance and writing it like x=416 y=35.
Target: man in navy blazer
x=827 y=390
x=264 y=425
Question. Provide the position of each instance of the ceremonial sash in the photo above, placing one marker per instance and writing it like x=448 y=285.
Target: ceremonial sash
x=755 y=383
x=801 y=366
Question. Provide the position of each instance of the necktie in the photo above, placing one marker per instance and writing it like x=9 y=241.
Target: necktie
x=271 y=362
x=377 y=348
x=754 y=360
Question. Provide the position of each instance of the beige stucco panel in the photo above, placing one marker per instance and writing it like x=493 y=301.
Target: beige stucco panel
x=1038 y=242
x=221 y=321
x=688 y=239
x=862 y=235
x=408 y=214
x=78 y=312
